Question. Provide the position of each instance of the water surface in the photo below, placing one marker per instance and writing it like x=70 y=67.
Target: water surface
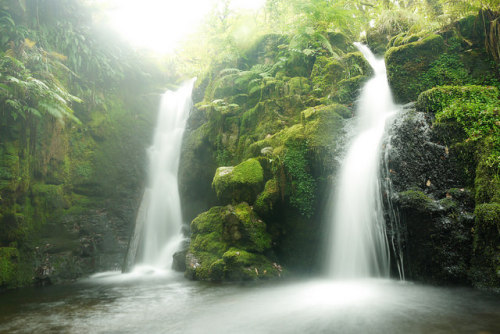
x=167 y=303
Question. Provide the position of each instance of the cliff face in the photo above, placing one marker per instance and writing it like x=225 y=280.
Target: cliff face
x=444 y=155
x=69 y=192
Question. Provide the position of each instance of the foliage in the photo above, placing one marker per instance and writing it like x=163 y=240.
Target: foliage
x=36 y=92
x=301 y=184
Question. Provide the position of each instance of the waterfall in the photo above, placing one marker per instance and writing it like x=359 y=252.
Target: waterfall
x=358 y=245
x=157 y=234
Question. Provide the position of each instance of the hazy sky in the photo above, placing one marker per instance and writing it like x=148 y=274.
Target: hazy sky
x=160 y=24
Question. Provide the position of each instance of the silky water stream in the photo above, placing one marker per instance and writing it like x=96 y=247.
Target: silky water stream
x=356 y=296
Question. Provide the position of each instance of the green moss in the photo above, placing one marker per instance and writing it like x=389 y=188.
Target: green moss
x=347 y=91
x=268 y=198
x=10 y=172
x=209 y=221
x=487 y=181
x=50 y=197
x=326 y=73
x=405 y=63
x=210 y=242
x=486 y=261
x=301 y=186
x=355 y=64
x=471 y=115
x=240 y=183
x=9 y=258
x=323 y=124
x=435 y=100
x=298 y=86
x=244 y=266
x=329 y=73
x=416 y=200
x=253 y=230
x=214 y=232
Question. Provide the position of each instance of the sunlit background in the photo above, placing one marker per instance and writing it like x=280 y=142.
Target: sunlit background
x=159 y=25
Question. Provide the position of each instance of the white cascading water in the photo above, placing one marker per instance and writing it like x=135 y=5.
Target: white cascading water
x=358 y=242
x=159 y=220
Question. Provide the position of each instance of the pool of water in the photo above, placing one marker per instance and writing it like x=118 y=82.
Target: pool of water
x=167 y=303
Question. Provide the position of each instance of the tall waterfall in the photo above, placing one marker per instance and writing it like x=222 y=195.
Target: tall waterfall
x=158 y=226
x=358 y=242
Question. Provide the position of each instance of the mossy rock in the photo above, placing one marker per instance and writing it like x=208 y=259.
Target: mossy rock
x=240 y=265
x=467 y=119
x=347 y=91
x=239 y=184
x=326 y=72
x=222 y=229
x=51 y=197
x=268 y=199
x=329 y=72
x=9 y=166
x=416 y=200
x=9 y=258
x=407 y=62
x=487 y=181
x=340 y=41
x=323 y=124
x=436 y=99
x=486 y=260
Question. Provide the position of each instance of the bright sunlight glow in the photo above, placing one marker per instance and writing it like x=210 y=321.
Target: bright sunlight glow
x=159 y=25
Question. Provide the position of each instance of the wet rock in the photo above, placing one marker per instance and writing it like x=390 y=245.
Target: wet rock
x=432 y=200
x=239 y=184
x=486 y=260
x=229 y=244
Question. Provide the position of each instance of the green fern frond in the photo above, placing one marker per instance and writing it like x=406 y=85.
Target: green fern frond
x=229 y=71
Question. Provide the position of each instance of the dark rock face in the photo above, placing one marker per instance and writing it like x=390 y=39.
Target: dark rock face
x=434 y=199
x=417 y=160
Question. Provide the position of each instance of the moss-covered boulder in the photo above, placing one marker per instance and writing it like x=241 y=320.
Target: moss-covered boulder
x=438 y=98
x=466 y=120
x=416 y=200
x=486 y=260
x=453 y=56
x=241 y=183
x=405 y=63
x=229 y=243
x=437 y=247
x=267 y=199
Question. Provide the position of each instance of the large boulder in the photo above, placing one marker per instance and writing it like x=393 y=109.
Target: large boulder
x=230 y=244
x=239 y=184
x=406 y=62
